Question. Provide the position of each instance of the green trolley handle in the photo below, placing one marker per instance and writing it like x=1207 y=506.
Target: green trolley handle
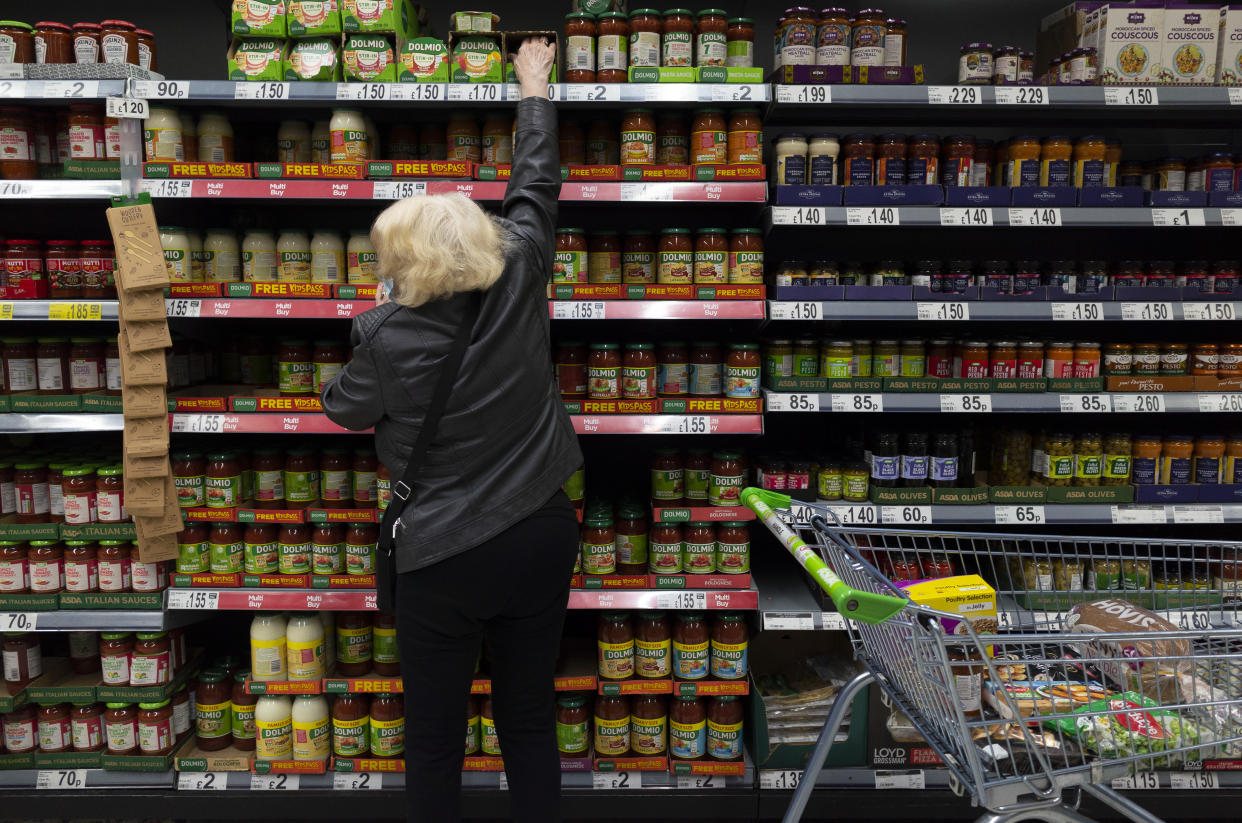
x=859 y=605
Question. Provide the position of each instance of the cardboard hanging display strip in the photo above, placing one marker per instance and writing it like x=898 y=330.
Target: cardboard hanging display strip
x=144 y=305
x=147 y=436
x=140 y=368
x=146 y=467
x=148 y=335
x=139 y=255
x=144 y=496
x=144 y=401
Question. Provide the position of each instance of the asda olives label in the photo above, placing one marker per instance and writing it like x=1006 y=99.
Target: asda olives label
x=745 y=267
x=711 y=267
x=733 y=558
x=295 y=378
x=294 y=558
x=302 y=487
x=914 y=467
x=675 y=267
x=326 y=558
x=569 y=267
x=226 y=557
x=490 y=740
x=652 y=658
x=885 y=467
x=274 y=739
x=1117 y=467
x=311 y=741
x=1088 y=466
x=637 y=267
x=241 y=722
x=260 y=558
x=710 y=48
x=336 y=486
x=353 y=645
x=616 y=660
x=349 y=737
x=359 y=559
x=190 y=492
x=1060 y=467
x=572 y=738
x=665 y=558
x=690 y=660
x=638 y=147
x=728 y=660
x=192 y=558
x=724 y=740
x=384 y=645
x=473 y=733
x=632 y=549
x=677 y=49
x=725 y=490
x=698 y=558
x=742 y=381
x=649 y=735
x=612 y=737
x=224 y=492
x=687 y=741
x=212 y=719
x=638 y=383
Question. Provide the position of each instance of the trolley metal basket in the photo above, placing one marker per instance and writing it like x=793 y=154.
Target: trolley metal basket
x=1063 y=710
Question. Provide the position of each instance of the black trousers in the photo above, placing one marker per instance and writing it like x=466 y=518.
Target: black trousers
x=512 y=591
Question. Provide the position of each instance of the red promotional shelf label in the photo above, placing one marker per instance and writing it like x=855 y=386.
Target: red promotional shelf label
x=319 y=290
x=212 y=404
x=289 y=766
x=368 y=764
x=363 y=685
x=636 y=686
x=420 y=169
x=227 y=171
x=284 y=687
x=207 y=581
x=711 y=688
x=631 y=764
x=708 y=767
x=342 y=581
x=320 y=171
x=343 y=515
x=483 y=763
x=275 y=404
x=276 y=581
x=196 y=289
x=716 y=513
x=669 y=292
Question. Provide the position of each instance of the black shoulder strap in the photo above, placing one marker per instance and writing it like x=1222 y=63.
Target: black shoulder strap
x=431 y=421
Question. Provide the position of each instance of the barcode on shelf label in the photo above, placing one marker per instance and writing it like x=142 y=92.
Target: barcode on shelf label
x=1177 y=217
x=780 y=780
x=71 y=88
x=1035 y=217
x=795 y=311
x=965 y=217
x=911 y=779
x=1198 y=514
x=872 y=216
x=793 y=402
x=701 y=781
x=645 y=192
x=178 y=307
x=202 y=781
x=274 y=782
x=133 y=108
x=1231 y=217
x=789 y=621
x=858 y=402
x=804 y=94
x=1194 y=780
x=1077 y=311
x=357 y=781
x=1085 y=403
x=162 y=89
x=1146 y=311
x=74 y=311
x=1235 y=96
x=398 y=189
x=167 y=188
x=945 y=310
x=18 y=621
x=1021 y=95
x=1144 y=96
x=249 y=90
x=1020 y=515
x=954 y=95
x=1139 y=781
x=61 y=779
x=909 y=515
x=832 y=621
x=1220 y=402
x=616 y=780
x=1210 y=311
x=502 y=780
x=579 y=310
x=965 y=402
x=693 y=600
x=1138 y=515
x=1148 y=402
x=195 y=599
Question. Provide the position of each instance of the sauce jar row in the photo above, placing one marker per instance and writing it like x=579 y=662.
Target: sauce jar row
x=698 y=477
x=602 y=48
x=981 y=64
x=674 y=257
x=263 y=548
x=623 y=543
x=61 y=365
x=146 y=729
x=141 y=658
x=686 y=646
x=644 y=371
x=61 y=491
x=687 y=728
x=291 y=255
x=275 y=479
x=364 y=725
x=70 y=269
x=50 y=42
x=78 y=566
x=838 y=37
x=40 y=143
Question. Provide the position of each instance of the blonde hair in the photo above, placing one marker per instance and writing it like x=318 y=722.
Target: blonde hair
x=432 y=247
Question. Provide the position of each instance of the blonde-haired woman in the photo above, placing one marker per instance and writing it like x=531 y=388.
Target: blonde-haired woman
x=486 y=546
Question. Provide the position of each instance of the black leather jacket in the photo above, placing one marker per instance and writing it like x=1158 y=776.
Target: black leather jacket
x=505 y=444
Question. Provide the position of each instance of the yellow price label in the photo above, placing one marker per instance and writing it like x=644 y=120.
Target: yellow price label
x=6 y=311
x=74 y=311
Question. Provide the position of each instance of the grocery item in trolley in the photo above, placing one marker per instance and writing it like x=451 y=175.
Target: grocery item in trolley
x=1152 y=668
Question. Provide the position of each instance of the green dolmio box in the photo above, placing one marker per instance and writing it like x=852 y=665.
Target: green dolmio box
x=381 y=16
x=312 y=18
x=423 y=60
x=257 y=58
x=259 y=18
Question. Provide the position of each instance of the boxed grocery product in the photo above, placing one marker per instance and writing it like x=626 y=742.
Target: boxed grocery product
x=368 y=58
x=259 y=18
x=892 y=740
x=1128 y=663
x=476 y=58
x=481 y=21
x=312 y=18
x=384 y=16
x=968 y=595
x=257 y=58
x=1131 y=43
x=313 y=58
x=1064 y=30
x=1190 y=43
x=423 y=59
x=1229 y=46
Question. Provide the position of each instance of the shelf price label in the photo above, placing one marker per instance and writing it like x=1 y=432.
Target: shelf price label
x=398 y=189
x=1194 y=780
x=1020 y=515
x=693 y=424
x=74 y=311
x=780 y=780
x=734 y=92
x=945 y=310
x=701 y=781
x=789 y=622
x=1149 y=402
x=274 y=782
x=425 y=92
x=781 y=310
x=132 y=108
x=579 y=310
x=685 y=600
x=597 y=93
x=1139 y=781
x=202 y=781
x=912 y=779
x=1138 y=96
x=779 y=402
x=1198 y=514
x=954 y=95
x=1231 y=402
x=168 y=188
x=198 y=423
x=1190 y=621
x=1035 y=217
x=1210 y=311
x=1235 y=96
x=490 y=92
x=974 y=403
x=861 y=515
x=1177 y=217
x=1146 y=311
x=1077 y=311
x=357 y=781
x=162 y=89
x=16 y=189
x=965 y=217
x=61 y=779
x=1138 y=515
x=19 y=621
x=179 y=307
x=370 y=91
x=804 y=94
x=857 y=402
x=616 y=780
x=1231 y=217
x=907 y=515
x=803 y=216
x=193 y=599
x=1021 y=95
x=872 y=216
x=1086 y=403
x=248 y=90
x=73 y=89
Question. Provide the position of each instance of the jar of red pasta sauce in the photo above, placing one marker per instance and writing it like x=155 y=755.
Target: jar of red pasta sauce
x=14 y=574
x=86 y=724
x=63 y=265
x=118 y=42
x=46 y=562
x=121 y=728
x=974 y=360
x=31 y=490
x=86 y=42
x=115 y=566
x=55 y=728
x=81 y=570
x=86 y=365
x=146 y=576
x=1003 y=360
x=20 y=160
x=96 y=264
x=940 y=359
x=110 y=494
x=638 y=372
x=571 y=369
x=78 y=487
x=1030 y=360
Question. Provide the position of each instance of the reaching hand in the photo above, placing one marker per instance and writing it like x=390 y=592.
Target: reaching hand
x=533 y=66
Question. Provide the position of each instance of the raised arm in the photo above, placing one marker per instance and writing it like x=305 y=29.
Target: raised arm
x=535 y=179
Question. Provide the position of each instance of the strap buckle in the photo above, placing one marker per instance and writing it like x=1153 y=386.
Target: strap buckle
x=401 y=491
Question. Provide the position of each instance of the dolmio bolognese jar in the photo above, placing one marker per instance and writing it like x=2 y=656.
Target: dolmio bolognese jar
x=676 y=257
x=677 y=43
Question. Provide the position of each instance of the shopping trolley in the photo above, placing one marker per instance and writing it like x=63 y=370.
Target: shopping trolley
x=1178 y=702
